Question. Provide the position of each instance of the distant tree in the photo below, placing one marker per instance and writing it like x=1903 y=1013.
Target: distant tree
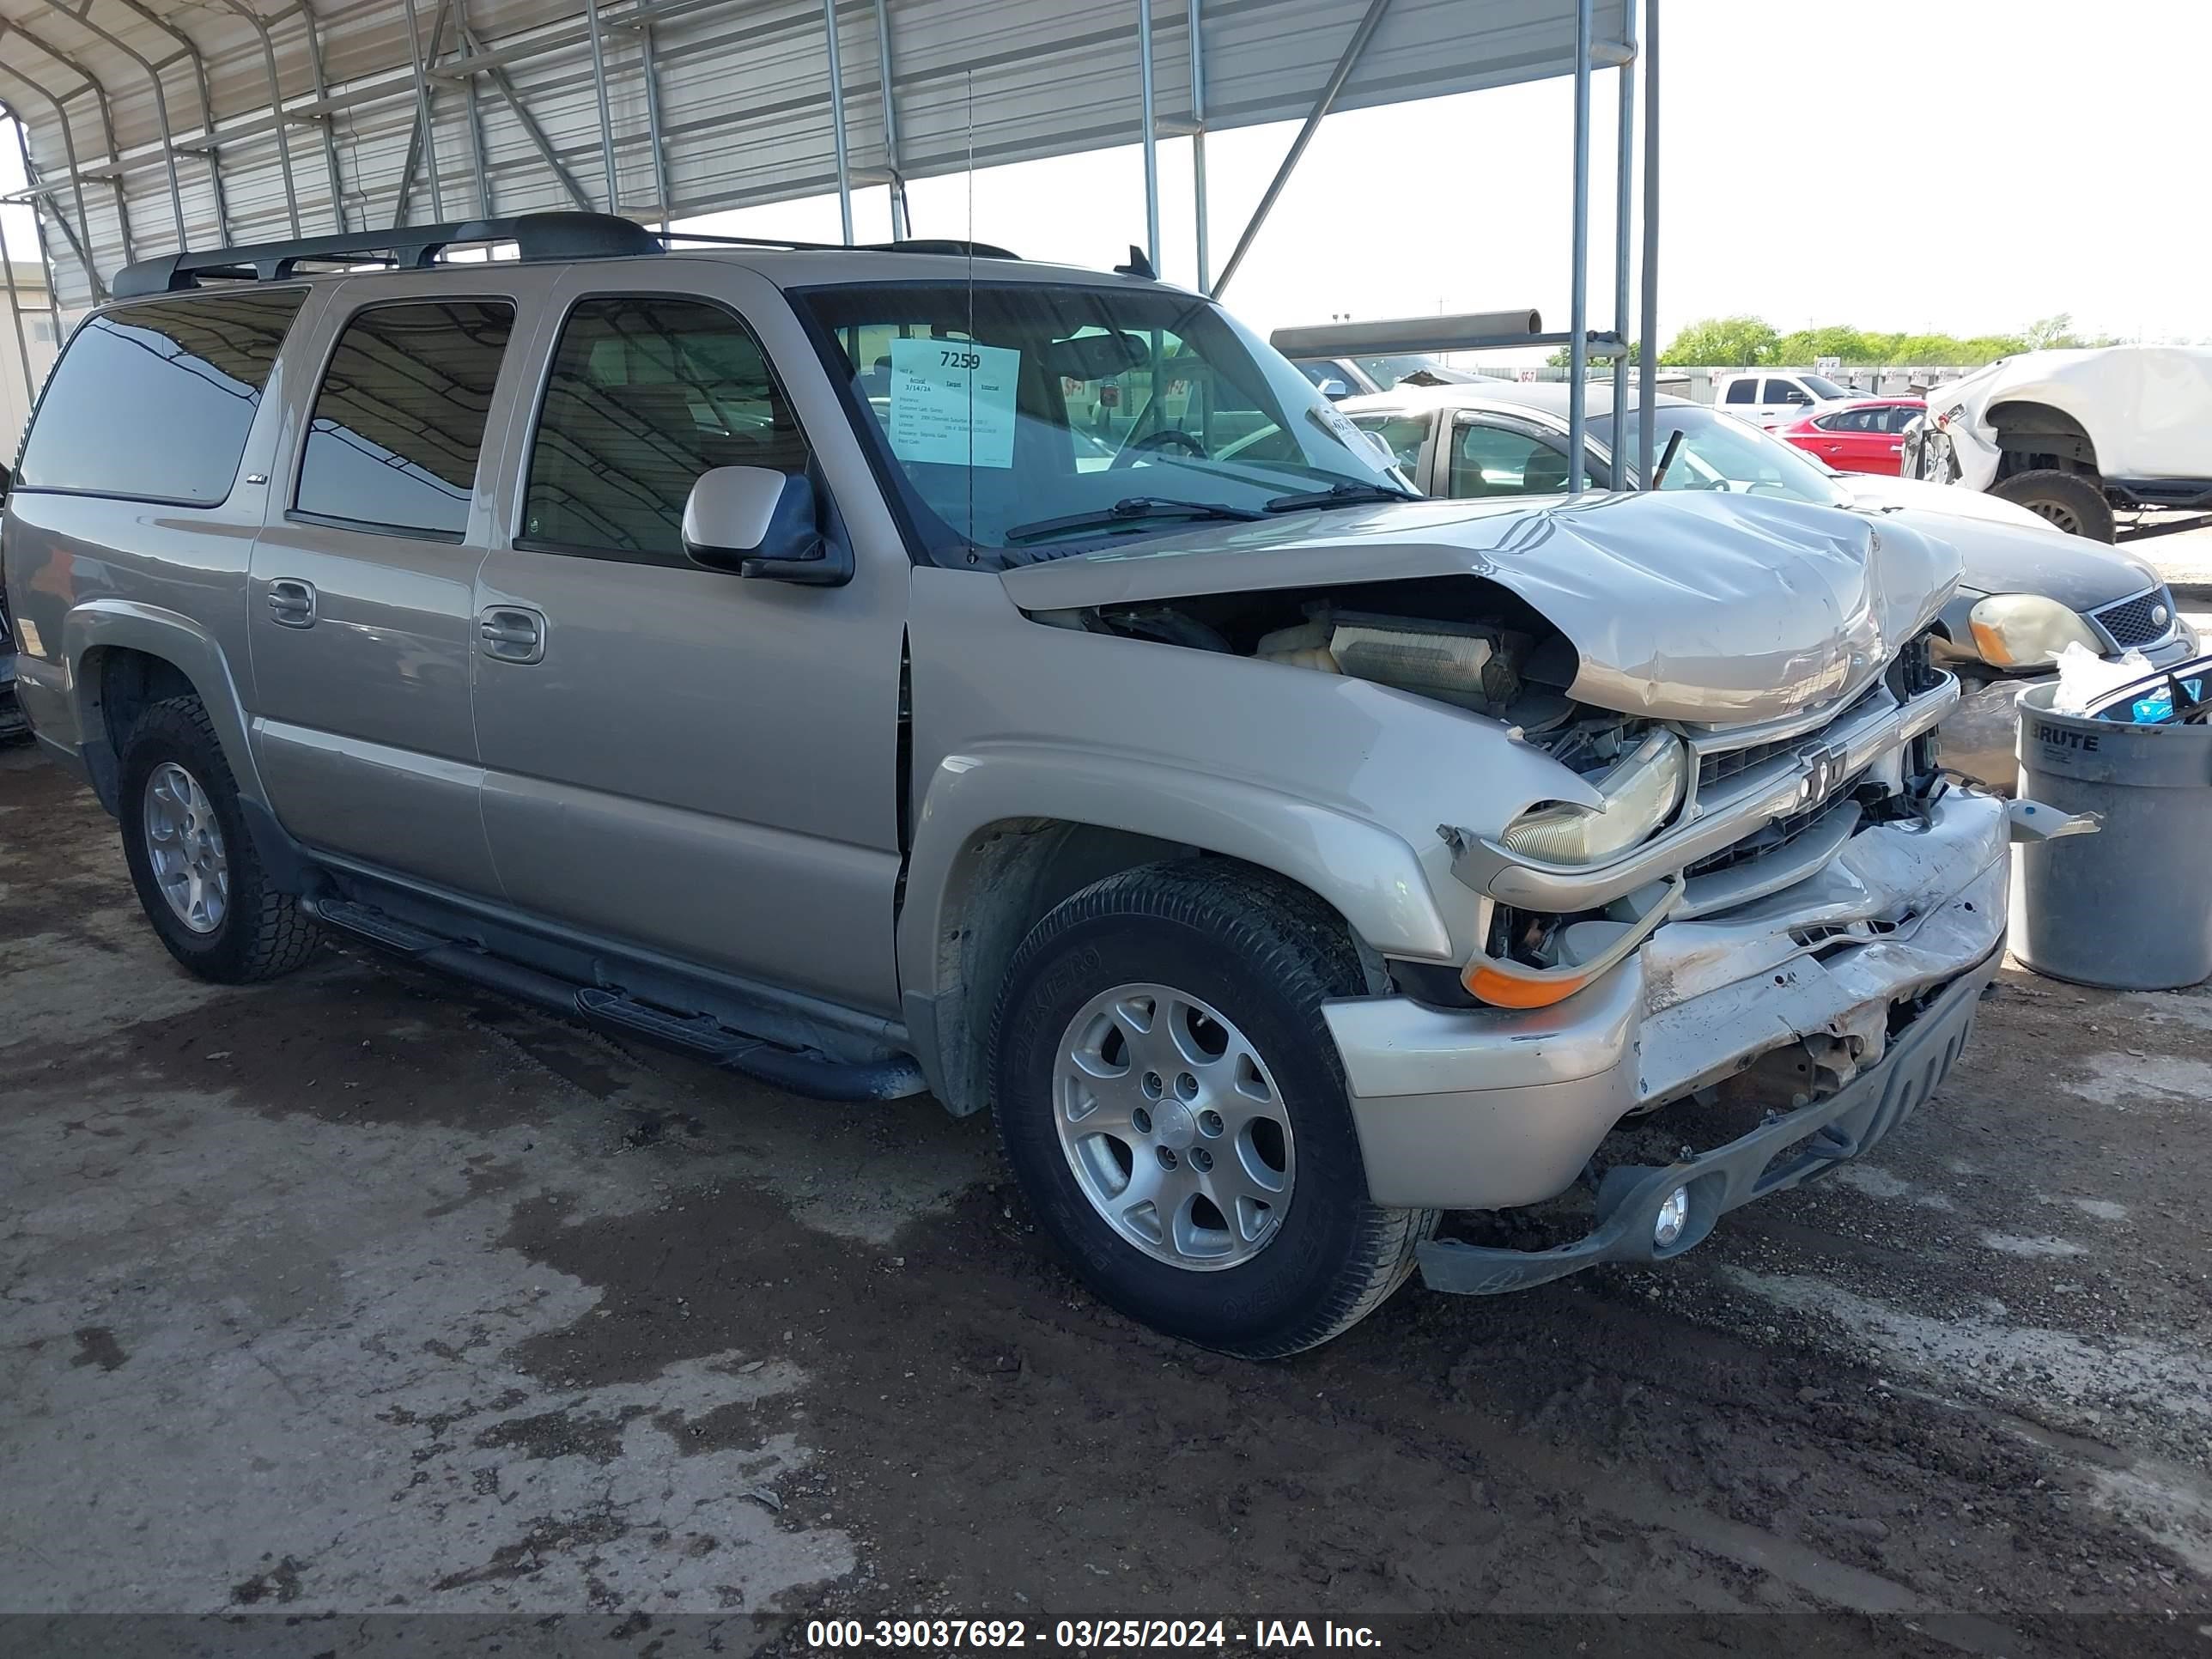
x=1722 y=342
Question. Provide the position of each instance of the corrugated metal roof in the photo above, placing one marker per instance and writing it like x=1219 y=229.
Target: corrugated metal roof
x=742 y=89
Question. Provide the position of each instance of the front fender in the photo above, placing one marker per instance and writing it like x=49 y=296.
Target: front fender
x=1371 y=876
x=126 y=624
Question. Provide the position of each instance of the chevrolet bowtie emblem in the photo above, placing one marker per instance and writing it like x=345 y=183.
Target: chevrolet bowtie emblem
x=1824 y=764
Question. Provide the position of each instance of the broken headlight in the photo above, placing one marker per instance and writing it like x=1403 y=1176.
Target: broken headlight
x=1641 y=793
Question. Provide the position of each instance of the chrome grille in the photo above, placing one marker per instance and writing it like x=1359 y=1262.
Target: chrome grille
x=2146 y=618
x=1773 y=839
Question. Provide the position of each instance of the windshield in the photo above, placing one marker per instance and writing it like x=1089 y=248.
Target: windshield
x=1718 y=452
x=1025 y=421
x=1820 y=386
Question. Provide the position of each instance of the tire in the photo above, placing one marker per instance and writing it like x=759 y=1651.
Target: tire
x=2069 y=500
x=1243 y=961
x=235 y=928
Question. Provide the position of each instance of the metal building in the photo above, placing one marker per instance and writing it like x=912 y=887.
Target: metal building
x=156 y=124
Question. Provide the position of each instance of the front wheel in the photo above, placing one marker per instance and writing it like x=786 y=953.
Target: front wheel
x=2071 y=502
x=1175 y=1111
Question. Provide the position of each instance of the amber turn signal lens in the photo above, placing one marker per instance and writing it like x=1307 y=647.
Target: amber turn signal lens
x=1488 y=982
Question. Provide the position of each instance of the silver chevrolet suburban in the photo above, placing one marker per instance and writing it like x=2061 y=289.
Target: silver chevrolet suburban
x=911 y=669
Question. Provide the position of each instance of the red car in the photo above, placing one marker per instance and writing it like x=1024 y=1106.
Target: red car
x=1855 y=435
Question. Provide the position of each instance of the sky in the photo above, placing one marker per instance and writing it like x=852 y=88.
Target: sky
x=1965 y=165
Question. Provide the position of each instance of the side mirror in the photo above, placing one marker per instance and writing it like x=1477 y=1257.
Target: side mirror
x=761 y=523
x=1332 y=388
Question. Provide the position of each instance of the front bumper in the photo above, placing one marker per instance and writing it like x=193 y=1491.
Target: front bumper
x=1489 y=1109
x=1785 y=1150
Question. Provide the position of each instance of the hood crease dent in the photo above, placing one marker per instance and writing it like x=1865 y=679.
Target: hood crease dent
x=1709 y=608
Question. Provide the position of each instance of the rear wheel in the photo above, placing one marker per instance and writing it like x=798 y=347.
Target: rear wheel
x=2070 y=502
x=1172 y=1106
x=198 y=875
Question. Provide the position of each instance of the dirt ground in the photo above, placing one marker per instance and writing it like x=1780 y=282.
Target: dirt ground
x=362 y=1291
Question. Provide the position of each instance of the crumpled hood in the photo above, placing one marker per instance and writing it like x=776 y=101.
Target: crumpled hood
x=1700 y=606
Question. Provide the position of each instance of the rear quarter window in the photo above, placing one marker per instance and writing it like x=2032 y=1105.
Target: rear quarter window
x=154 y=402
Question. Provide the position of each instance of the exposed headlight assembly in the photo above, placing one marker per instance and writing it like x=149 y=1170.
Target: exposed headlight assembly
x=2027 y=630
x=1641 y=793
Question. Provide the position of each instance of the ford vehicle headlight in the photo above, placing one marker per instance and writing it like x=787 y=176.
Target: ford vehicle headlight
x=1641 y=793
x=2027 y=630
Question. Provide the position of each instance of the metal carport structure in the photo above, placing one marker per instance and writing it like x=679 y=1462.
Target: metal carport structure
x=156 y=124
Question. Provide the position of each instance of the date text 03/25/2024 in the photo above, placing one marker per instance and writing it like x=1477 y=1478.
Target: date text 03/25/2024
x=1086 y=1635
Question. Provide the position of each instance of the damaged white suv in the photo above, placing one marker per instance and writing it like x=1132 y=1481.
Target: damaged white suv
x=882 y=671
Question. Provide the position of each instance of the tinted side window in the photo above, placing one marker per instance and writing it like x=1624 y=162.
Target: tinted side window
x=155 y=401
x=1741 y=391
x=645 y=395
x=399 y=417
x=1900 y=416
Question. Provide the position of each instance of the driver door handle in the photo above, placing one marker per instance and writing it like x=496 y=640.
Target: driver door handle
x=292 y=603
x=512 y=633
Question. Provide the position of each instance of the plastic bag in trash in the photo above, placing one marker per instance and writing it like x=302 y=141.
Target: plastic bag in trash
x=2084 y=677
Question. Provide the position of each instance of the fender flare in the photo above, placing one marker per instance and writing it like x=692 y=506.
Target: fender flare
x=126 y=624
x=1369 y=875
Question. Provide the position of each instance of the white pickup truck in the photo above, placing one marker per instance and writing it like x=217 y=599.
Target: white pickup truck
x=2072 y=436
x=1768 y=396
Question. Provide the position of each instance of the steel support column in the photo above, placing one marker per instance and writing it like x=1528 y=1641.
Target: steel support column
x=260 y=28
x=893 y=165
x=80 y=239
x=16 y=316
x=838 y=121
x=160 y=112
x=1647 y=386
x=1152 y=135
x=42 y=200
x=321 y=84
x=649 y=70
x=1197 y=140
x=207 y=105
x=473 y=106
x=1338 y=77
x=1578 y=292
x=1624 y=203
x=418 y=135
x=606 y=115
x=422 y=122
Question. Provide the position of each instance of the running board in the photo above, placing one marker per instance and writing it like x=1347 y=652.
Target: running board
x=806 y=1072
x=814 y=1075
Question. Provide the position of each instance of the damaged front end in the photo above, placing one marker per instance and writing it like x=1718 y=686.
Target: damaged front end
x=1718 y=872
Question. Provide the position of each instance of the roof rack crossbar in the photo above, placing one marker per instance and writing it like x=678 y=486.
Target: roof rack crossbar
x=406 y=247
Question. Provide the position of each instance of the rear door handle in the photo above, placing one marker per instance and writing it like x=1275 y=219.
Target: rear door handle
x=512 y=633
x=292 y=603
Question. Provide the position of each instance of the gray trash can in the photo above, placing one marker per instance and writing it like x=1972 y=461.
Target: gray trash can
x=2130 y=907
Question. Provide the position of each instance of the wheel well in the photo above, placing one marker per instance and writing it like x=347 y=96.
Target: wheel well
x=2034 y=437
x=119 y=685
x=1009 y=877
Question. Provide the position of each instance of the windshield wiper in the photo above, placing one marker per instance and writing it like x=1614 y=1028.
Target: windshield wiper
x=1129 y=509
x=1340 y=495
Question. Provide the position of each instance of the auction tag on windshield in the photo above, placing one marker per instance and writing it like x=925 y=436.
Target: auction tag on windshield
x=1337 y=424
x=952 y=402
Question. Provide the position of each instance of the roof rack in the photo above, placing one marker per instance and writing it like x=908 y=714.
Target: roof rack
x=535 y=236
x=958 y=250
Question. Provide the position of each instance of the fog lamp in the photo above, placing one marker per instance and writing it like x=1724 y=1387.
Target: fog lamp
x=1673 y=1216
